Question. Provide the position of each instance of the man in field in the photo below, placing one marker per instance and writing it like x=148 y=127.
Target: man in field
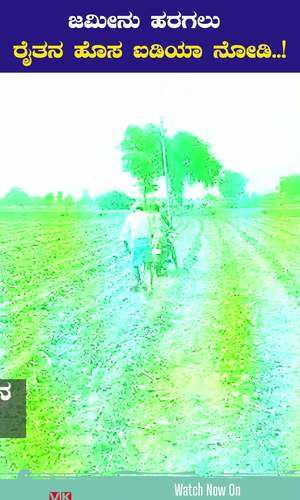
x=136 y=235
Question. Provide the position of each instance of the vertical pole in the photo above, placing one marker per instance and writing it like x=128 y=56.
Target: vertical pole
x=165 y=166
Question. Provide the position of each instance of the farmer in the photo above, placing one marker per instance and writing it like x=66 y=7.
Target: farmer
x=136 y=235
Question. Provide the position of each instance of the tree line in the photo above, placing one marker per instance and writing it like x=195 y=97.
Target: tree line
x=16 y=197
x=188 y=160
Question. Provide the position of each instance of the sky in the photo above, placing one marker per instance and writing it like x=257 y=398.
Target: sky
x=62 y=131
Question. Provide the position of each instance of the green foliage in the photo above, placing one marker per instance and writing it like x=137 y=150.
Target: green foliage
x=197 y=164
x=142 y=156
x=176 y=167
x=85 y=199
x=49 y=200
x=16 y=197
x=115 y=200
x=188 y=160
x=209 y=200
x=232 y=185
x=290 y=185
x=59 y=198
x=69 y=201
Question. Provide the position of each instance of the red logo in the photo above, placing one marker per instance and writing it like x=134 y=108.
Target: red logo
x=60 y=495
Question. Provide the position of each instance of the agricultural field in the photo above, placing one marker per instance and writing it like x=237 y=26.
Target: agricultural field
x=201 y=376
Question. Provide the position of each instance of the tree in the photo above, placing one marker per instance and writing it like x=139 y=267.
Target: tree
x=232 y=185
x=176 y=168
x=115 y=200
x=188 y=160
x=191 y=160
x=290 y=185
x=16 y=197
x=85 y=199
x=142 y=156
x=69 y=201
x=49 y=200
x=59 y=199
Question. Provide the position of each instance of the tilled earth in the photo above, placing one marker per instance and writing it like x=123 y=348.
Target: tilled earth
x=202 y=376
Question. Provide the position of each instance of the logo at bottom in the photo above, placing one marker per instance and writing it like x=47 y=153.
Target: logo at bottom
x=60 y=495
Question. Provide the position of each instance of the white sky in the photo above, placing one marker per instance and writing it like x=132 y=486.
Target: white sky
x=62 y=131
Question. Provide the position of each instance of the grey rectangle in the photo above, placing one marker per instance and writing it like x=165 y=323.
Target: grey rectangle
x=12 y=408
